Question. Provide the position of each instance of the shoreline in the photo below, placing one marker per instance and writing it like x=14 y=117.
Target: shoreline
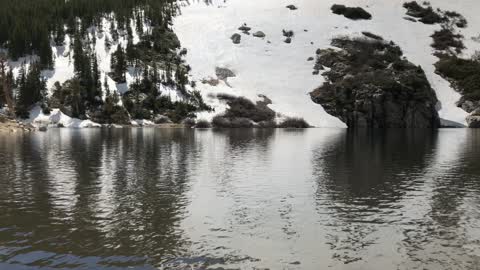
x=12 y=126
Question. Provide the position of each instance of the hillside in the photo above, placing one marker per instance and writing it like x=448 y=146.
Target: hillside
x=127 y=65
x=280 y=70
x=109 y=62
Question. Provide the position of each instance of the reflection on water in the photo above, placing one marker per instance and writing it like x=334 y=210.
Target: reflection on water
x=241 y=199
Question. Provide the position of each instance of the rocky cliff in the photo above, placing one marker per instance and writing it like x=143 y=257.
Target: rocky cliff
x=370 y=84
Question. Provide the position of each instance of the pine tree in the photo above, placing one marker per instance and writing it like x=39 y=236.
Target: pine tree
x=106 y=87
x=113 y=31
x=139 y=24
x=78 y=58
x=31 y=89
x=96 y=77
x=33 y=26
x=119 y=65
x=131 y=52
x=59 y=35
x=75 y=99
x=45 y=53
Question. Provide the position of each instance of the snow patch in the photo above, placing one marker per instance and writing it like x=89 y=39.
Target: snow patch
x=141 y=123
x=58 y=118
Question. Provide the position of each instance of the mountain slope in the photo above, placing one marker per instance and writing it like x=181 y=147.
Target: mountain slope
x=279 y=70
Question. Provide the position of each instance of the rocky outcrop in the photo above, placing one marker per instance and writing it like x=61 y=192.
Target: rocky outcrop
x=464 y=76
x=370 y=84
x=9 y=125
x=426 y=14
x=473 y=120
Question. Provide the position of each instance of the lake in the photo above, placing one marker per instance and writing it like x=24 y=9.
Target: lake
x=240 y=199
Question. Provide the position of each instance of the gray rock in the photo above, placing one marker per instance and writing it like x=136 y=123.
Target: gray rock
x=259 y=34
x=244 y=28
x=223 y=73
x=292 y=7
x=288 y=40
x=236 y=38
x=310 y=58
x=287 y=33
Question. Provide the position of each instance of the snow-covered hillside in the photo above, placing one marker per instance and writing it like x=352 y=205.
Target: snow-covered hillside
x=271 y=67
x=63 y=70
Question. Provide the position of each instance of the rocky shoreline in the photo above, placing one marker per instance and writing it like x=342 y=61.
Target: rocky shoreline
x=10 y=125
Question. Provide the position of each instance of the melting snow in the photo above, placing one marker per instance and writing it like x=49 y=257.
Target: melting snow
x=56 y=117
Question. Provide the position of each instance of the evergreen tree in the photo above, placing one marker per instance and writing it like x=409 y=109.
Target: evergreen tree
x=45 y=53
x=106 y=87
x=131 y=52
x=59 y=38
x=33 y=26
x=96 y=77
x=75 y=94
x=139 y=24
x=119 y=65
x=78 y=57
x=113 y=31
x=31 y=89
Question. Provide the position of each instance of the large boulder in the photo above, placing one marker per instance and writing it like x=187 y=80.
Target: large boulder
x=259 y=34
x=236 y=38
x=370 y=84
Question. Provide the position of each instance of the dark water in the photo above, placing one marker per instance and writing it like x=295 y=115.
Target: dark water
x=240 y=199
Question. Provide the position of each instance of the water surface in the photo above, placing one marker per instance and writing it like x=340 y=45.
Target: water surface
x=240 y=199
